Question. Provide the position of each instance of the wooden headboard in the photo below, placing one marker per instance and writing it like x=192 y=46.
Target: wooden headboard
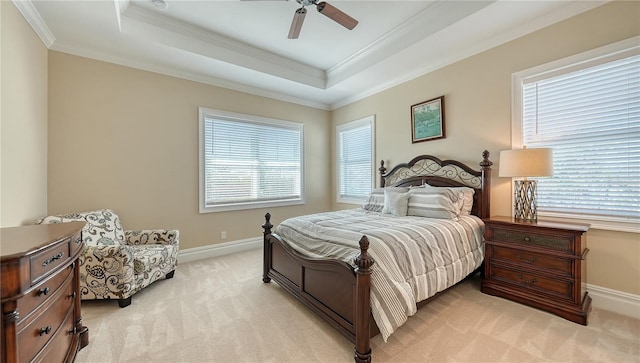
x=428 y=169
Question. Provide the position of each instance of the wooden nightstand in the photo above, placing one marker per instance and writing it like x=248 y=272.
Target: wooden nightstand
x=540 y=264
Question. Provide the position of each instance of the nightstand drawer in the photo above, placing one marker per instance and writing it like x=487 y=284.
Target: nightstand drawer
x=533 y=239
x=533 y=281
x=525 y=259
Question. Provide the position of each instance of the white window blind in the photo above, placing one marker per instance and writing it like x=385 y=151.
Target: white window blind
x=249 y=162
x=355 y=141
x=590 y=117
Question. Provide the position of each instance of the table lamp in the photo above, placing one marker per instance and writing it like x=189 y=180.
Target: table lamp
x=523 y=163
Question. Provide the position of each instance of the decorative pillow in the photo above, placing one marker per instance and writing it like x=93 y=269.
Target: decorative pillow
x=467 y=197
x=395 y=203
x=102 y=226
x=434 y=203
x=375 y=201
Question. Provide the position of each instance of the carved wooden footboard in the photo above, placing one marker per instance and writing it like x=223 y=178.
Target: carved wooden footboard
x=339 y=293
x=333 y=289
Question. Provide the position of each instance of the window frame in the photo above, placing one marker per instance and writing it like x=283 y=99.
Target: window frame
x=604 y=54
x=367 y=120
x=203 y=114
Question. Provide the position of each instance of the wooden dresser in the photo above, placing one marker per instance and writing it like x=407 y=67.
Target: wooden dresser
x=541 y=264
x=40 y=298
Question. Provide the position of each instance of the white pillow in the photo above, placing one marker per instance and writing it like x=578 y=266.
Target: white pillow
x=375 y=201
x=434 y=203
x=467 y=197
x=395 y=203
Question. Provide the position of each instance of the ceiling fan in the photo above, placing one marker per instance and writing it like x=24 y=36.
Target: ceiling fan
x=325 y=9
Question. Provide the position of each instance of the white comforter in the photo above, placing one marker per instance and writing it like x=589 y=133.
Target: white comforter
x=415 y=257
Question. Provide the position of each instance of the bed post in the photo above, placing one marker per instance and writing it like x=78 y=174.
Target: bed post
x=363 y=303
x=267 y=248
x=382 y=170
x=486 y=185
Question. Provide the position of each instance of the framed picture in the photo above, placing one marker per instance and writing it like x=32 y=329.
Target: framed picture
x=427 y=120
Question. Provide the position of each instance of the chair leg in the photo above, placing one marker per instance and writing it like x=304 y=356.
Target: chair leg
x=123 y=303
x=170 y=274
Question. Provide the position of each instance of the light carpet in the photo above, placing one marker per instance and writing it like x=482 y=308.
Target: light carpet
x=219 y=310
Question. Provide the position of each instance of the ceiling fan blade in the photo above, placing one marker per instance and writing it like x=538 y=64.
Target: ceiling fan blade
x=336 y=15
x=296 y=24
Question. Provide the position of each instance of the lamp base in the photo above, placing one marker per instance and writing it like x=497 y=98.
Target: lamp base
x=525 y=207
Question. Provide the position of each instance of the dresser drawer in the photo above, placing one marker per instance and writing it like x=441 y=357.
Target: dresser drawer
x=58 y=347
x=48 y=260
x=41 y=293
x=562 y=266
x=533 y=282
x=49 y=319
x=533 y=238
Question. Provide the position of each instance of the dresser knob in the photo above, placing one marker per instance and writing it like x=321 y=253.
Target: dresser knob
x=527 y=239
x=44 y=291
x=72 y=295
x=45 y=330
x=528 y=282
x=526 y=259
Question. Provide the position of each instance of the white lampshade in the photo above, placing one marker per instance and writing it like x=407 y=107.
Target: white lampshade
x=526 y=162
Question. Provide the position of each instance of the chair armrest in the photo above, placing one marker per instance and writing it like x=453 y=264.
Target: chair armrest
x=152 y=236
x=97 y=254
x=107 y=272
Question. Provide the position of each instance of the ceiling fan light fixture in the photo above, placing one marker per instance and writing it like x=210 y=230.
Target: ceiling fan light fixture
x=296 y=24
x=160 y=4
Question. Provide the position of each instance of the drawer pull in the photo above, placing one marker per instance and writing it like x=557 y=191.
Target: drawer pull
x=45 y=330
x=527 y=259
x=527 y=239
x=528 y=282
x=44 y=291
x=72 y=295
x=54 y=258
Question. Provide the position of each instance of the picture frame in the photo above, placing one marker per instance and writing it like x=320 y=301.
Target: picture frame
x=427 y=120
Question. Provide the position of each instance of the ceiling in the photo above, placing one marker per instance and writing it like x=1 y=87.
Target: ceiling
x=243 y=45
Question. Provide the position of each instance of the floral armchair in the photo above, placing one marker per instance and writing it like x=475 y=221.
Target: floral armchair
x=115 y=264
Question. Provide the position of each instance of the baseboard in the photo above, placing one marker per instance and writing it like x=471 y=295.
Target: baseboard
x=218 y=249
x=616 y=301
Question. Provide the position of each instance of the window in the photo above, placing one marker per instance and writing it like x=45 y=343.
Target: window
x=587 y=109
x=249 y=161
x=355 y=144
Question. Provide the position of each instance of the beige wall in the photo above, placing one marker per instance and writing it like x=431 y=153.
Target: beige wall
x=478 y=116
x=23 y=127
x=127 y=139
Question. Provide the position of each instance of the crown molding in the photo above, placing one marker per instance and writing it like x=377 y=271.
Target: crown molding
x=570 y=10
x=121 y=6
x=32 y=16
x=352 y=73
x=187 y=75
x=429 y=21
x=178 y=34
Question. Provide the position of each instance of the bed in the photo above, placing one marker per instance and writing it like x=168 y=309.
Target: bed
x=339 y=288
